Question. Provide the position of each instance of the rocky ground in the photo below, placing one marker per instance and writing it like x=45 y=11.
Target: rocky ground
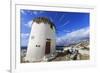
x=63 y=56
x=82 y=54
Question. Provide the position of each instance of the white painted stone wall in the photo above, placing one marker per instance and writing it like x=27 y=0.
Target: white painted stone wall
x=39 y=34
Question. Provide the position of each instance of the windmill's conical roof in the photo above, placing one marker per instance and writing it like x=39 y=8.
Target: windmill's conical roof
x=44 y=20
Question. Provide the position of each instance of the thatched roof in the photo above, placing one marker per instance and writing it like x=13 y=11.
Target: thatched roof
x=44 y=20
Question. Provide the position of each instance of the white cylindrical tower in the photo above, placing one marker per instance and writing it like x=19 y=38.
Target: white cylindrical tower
x=42 y=40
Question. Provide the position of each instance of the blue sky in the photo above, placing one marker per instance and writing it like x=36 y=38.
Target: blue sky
x=70 y=26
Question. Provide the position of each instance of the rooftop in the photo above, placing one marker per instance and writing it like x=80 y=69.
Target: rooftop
x=44 y=20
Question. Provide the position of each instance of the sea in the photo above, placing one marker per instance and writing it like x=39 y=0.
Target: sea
x=57 y=47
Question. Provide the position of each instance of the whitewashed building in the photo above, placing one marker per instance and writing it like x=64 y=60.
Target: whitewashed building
x=42 y=40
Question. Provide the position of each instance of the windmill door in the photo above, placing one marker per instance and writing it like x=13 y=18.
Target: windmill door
x=47 y=48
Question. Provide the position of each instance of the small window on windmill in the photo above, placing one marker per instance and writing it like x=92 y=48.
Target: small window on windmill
x=37 y=45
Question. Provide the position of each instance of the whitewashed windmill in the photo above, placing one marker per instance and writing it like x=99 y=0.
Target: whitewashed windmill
x=42 y=40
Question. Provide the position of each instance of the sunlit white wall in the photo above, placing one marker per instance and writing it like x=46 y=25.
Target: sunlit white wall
x=38 y=36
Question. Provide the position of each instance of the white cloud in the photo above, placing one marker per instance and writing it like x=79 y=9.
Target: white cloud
x=24 y=39
x=23 y=12
x=24 y=42
x=35 y=12
x=29 y=23
x=79 y=33
x=73 y=36
x=67 y=22
x=61 y=17
x=24 y=35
